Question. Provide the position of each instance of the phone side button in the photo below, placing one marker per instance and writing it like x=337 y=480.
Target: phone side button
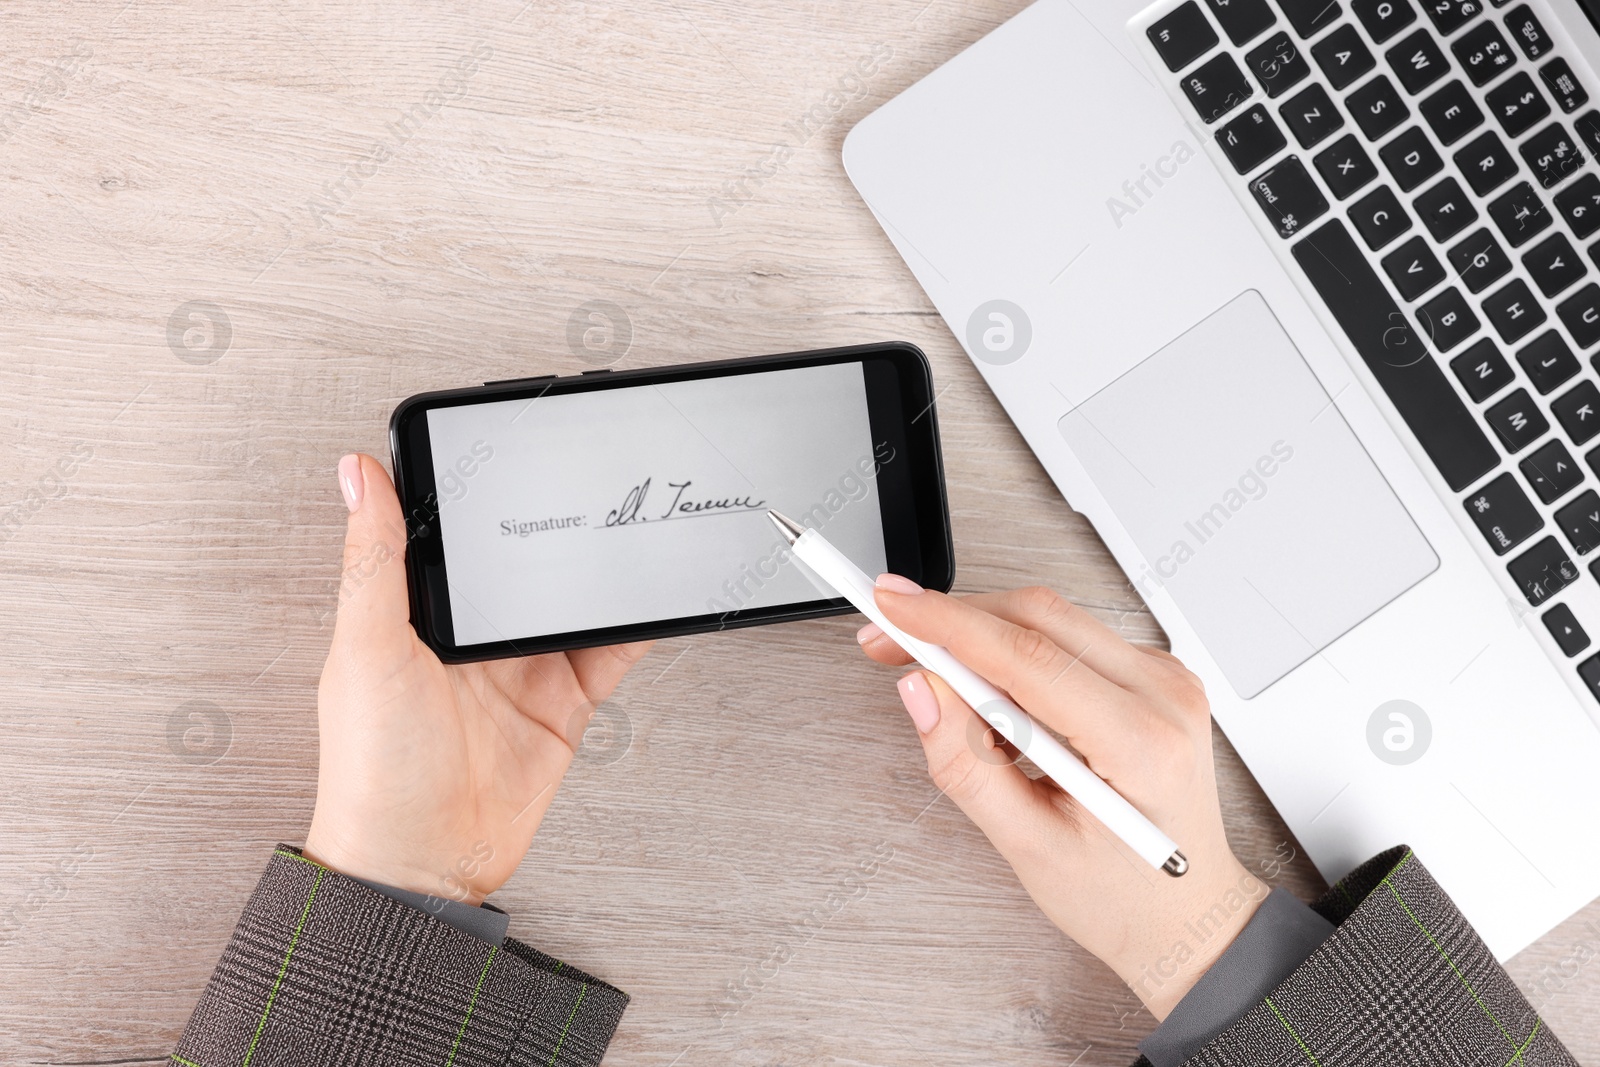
x=602 y=370
x=519 y=381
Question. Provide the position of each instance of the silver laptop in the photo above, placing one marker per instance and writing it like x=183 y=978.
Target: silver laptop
x=1297 y=301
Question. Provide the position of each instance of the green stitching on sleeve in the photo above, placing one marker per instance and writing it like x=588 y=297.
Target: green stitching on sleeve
x=470 y=1005
x=1448 y=961
x=1524 y=1047
x=190 y=1063
x=1292 y=1033
x=570 y=1016
x=285 y=965
x=297 y=856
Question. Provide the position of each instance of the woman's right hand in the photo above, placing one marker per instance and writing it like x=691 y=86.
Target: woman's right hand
x=1139 y=719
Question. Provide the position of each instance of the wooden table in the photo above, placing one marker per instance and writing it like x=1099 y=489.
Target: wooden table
x=235 y=235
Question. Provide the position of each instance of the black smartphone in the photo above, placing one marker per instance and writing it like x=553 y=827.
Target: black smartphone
x=558 y=512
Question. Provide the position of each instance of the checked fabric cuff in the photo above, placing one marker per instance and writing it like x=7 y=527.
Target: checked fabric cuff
x=1403 y=979
x=323 y=969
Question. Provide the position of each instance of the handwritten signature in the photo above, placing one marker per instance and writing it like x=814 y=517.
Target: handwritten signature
x=633 y=504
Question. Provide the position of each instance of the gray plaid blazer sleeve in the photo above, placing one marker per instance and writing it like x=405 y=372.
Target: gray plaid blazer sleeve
x=322 y=969
x=1403 y=979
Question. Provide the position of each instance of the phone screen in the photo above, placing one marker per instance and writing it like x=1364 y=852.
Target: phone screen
x=583 y=510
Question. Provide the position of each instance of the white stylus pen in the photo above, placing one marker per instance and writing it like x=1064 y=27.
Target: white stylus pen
x=1010 y=721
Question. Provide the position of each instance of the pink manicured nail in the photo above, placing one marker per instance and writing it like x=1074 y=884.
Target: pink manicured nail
x=868 y=632
x=894 y=583
x=351 y=481
x=921 y=704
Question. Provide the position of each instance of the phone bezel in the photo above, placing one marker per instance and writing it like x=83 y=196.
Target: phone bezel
x=913 y=505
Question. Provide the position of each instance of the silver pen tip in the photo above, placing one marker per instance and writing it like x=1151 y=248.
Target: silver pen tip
x=1177 y=865
x=790 y=529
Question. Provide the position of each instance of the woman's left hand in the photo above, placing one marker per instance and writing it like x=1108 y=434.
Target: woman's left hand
x=433 y=778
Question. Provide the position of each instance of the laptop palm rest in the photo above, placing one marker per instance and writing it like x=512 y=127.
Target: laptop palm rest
x=1255 y=506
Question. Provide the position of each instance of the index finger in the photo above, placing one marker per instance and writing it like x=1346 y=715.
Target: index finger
x=1064 y=691
x=1075 y=632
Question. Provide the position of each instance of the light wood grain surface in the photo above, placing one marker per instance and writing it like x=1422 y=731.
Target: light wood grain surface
x=170 y=568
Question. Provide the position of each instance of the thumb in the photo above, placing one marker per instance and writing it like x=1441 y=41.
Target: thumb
x=969 y=766
x=373 y=600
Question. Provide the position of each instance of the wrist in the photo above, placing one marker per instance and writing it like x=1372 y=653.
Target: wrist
x=370 y=864
x=1190 y=935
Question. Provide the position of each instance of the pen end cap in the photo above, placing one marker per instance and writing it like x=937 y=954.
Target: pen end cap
x=1177 y=865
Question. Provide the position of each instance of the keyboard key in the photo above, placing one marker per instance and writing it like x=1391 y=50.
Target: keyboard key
x=1417 y=62
x=1581 y=315
x=1379 y=217
x=1520 y=214
x=1552 y=471
x=1411 y=158
x=1563 y=85
x=1517 y=421
x=1251 y=139
x=1578 y=412
x=1503 y=513
x=1242 y=20
x=1277 y=64
x=1514 y=311
x=1182 y=36
x=1589 y=669
x=1526 y=31
x=1377 y=107
x=1485 y=163
x=1339 y=270
x=1517 y=104
x=1345 y=166
x=1563 y=626
x=1553 y=264
x=1216 y=87
x=1552 y=154
x=1547 y=360
x=1445 y=209
x=1452 y=113
x=1543 y=571
x=1447 y=320
x=1482 y=370
x=1384 y=18
x=1480 y=260
x=1483 y=53
x=1588 y=127
x=1579 y=204
x=1311 y=116
x=1450 y=15
x=1342 y=56
x=1413 y=268
x=1289 y=196
x=1580 y=521
x=1309 y=16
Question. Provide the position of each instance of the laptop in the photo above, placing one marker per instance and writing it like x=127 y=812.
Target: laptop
x=1298 y=302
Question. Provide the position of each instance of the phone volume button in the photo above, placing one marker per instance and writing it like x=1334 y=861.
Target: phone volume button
x=519 y=381
x=602 y=370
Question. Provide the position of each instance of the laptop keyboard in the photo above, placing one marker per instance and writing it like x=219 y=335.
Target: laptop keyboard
x=1413 y=162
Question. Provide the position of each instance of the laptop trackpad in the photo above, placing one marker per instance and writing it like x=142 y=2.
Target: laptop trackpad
x=1254 y=504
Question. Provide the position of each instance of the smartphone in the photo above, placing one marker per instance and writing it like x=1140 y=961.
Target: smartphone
x=559 y=512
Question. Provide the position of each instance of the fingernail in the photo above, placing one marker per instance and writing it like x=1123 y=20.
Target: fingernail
x=868 y=632
x=921 y=704
x=894 y=583
x=351 y=481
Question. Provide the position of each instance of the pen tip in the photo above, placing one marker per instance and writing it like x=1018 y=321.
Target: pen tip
x=790 y=529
